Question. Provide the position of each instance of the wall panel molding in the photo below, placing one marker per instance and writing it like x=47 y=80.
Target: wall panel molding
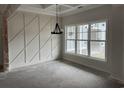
x=34 y=39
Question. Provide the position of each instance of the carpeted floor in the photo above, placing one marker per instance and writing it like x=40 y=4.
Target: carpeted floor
x=57 y=74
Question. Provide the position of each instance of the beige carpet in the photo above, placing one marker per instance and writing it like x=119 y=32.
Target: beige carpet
x=58 y=74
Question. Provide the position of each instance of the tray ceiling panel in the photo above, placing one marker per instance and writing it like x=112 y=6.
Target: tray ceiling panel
x=50 y=9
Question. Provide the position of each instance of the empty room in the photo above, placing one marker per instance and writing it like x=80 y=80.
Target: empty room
x=61 y=46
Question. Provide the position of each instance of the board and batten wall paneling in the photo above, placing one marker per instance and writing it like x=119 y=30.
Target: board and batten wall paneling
x=30 y=39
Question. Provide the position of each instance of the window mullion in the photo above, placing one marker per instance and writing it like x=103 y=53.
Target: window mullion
x=65 y=39
x=76 y=39
x=89 y=37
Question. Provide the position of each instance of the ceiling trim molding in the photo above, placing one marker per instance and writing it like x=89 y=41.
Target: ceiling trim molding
x=47 y=11
x=35 y=10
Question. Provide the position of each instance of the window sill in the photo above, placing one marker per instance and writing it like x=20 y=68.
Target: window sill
x=87 y=57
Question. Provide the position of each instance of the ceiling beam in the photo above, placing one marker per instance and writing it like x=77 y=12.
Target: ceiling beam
x=49 y=7
x=69 y=6
x=35 y=10
x=48 y=10
x=71 y=9
x=45 y=5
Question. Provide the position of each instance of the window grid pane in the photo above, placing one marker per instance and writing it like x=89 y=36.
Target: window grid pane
x=98 y=31
x=97 y=49
x=82 y=32
x=98 y=35
x=70 y=46
x=70 y=32
x=99 y=26
x=82 y=47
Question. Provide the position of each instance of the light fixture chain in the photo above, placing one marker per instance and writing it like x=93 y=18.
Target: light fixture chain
x=57 y=19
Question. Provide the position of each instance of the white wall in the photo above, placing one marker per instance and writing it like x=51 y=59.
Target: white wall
x=123 y=36
x=116 y=63
x=30 y=39
x=113 y=14
x=1 y=53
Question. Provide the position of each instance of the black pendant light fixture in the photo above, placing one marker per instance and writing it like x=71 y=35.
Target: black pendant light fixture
x=57 y=29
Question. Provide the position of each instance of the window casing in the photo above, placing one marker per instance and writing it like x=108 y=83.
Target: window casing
x=87 y=39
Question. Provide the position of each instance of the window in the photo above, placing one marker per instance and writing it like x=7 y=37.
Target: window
x=87 y=39
x=98 y=37
x=70 y=39
x=82 y=38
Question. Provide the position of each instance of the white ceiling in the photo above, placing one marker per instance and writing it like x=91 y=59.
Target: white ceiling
x=50 y=9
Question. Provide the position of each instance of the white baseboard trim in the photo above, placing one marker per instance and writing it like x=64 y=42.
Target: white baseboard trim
x=26 y=65
x=74 y=61
x=116 y=79
x=120 y=81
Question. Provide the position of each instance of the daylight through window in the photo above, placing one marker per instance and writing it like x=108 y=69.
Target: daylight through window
x=87 y=39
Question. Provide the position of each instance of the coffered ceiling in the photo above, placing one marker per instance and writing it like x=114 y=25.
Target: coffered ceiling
x=50 y=9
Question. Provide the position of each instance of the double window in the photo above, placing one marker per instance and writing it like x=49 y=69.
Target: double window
x=87 y=39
